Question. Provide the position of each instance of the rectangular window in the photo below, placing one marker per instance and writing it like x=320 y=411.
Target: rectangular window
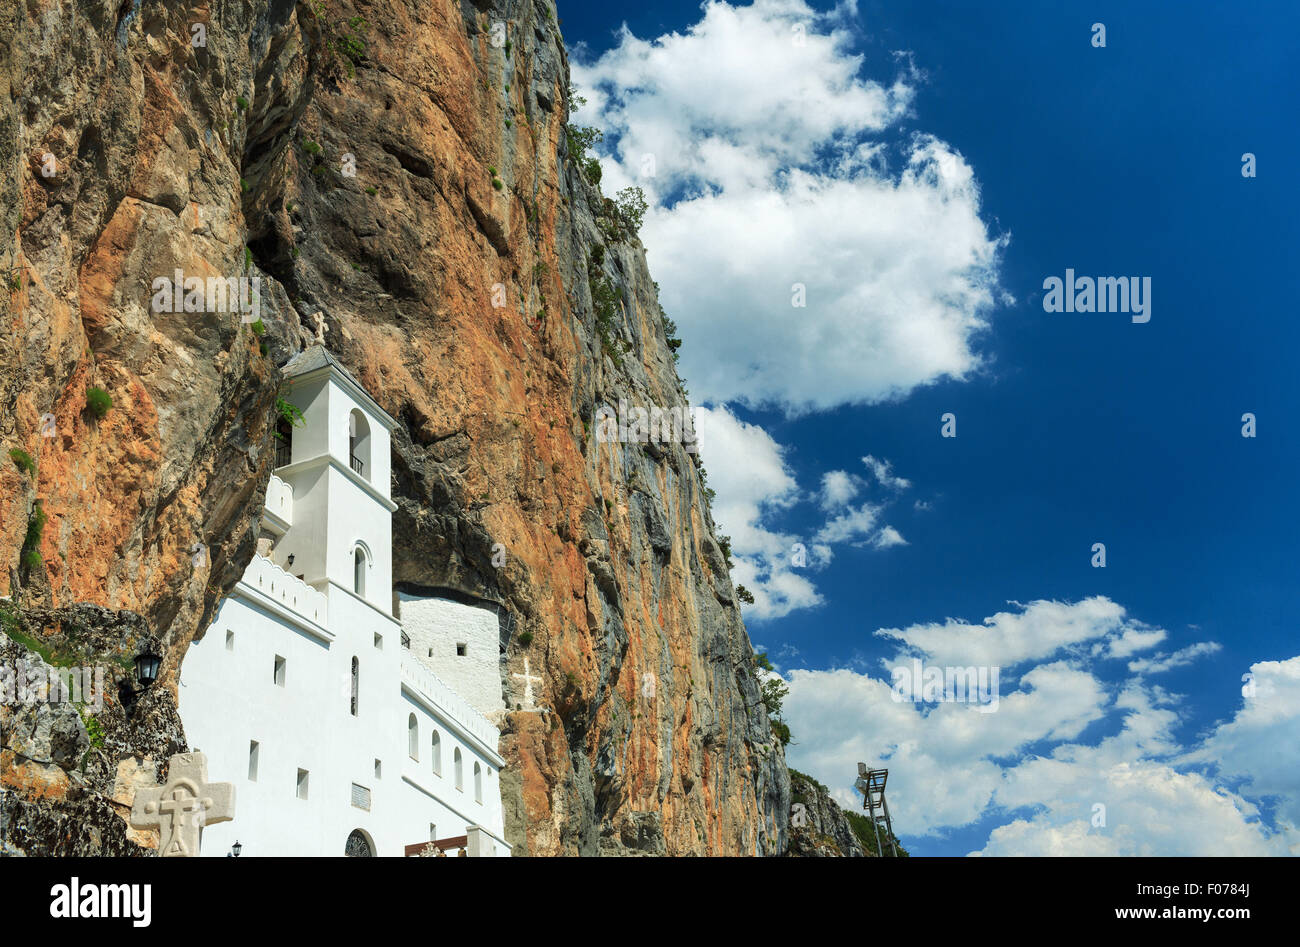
x=433 y=832
x=279 y=671
x=252 y=760
x=230 y=641
x=379 y=642
x=361 y=797
x=379 y=770
x=460 y=649
x=302 y=784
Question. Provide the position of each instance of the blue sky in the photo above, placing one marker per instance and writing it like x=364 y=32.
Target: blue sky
x=921 y=168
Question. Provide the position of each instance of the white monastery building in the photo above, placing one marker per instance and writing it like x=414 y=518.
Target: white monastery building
x=342 y=733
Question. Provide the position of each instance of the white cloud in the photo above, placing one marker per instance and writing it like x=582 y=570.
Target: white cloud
x=1259 y=744
x=772 y=168
x=1036 y=631
x=1181 y=658
x=888 y=537
x=1030 y=766
x=747 y=472
x=838 y=488
x=883 y=471
x=752 y=482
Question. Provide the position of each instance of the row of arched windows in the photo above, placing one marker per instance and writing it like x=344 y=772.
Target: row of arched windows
x=435 y=752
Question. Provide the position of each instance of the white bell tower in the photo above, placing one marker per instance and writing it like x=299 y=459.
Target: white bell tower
x=337 y=462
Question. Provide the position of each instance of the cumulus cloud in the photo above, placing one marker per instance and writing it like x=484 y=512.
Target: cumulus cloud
x=748 y=473
x=1035 y=631
x=785 y=201
x=838 y=488
x=754 y=487
x=1036 y=768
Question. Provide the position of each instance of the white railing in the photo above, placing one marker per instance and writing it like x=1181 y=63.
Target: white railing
x=448 y=701
x=279 y=499
x=290 y=591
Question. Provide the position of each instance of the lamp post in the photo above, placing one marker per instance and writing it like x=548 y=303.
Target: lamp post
x=235 y=850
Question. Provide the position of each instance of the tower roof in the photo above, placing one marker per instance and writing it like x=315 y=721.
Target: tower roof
x=317 y=359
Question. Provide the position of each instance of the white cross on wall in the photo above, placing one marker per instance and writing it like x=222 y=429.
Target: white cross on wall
x=528 y=685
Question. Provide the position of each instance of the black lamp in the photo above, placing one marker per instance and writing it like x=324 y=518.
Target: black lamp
x=235 y=850
x=147 y=663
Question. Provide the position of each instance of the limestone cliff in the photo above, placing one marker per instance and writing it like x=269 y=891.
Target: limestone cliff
x=402 y=167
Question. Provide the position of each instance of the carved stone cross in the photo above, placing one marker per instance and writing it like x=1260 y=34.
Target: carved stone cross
x=528 y=685
x=183 y=805
x=321 y=327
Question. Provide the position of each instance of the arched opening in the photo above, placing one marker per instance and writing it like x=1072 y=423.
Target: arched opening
x=459 y=768
x=413 y=737
x=436 y=751
x=478 y=783
x=283 y=442
x=359 y=564
x=359 y=443
x=356 y=683
x=359 y=845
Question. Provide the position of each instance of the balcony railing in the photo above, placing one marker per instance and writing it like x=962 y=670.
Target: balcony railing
x=356 y=463
x=283 y=452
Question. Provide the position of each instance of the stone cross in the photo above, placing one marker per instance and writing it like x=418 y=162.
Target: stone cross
x=183 y=805
x=321 y=327
x=528 y=685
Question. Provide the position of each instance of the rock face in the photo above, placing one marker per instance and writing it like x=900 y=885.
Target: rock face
x=819 y=828
x=401 y=167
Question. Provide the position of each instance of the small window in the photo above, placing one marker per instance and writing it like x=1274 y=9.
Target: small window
x=433 y=832
x=356 y=684
x=361 y=797
x=459 y=767
x=461 y=649
x=302 y=784
x=279 y=671
x=379 y=642
x=412 y=737
x=379 y=770
x=253 y=747
x=359 y=572
x=478 y=783
x=436 y=752
x=230 y=641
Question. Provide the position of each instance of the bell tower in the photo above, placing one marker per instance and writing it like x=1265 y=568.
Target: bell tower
x=336 y=461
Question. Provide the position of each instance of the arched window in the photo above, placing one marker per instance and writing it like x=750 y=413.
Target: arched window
x=356 y=683
x=459 y=768
x=436 y=751
x=359 y=443
x=358 y=845
x=359 y=571
x=413 y=737
x=478 y=782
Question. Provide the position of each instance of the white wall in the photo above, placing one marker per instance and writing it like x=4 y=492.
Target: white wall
x=228 y=698
x=437 y=625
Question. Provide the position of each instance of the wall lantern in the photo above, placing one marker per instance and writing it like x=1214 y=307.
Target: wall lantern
x=147 y=663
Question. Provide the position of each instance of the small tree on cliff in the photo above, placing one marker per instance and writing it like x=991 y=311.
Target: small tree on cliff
x=774 y=692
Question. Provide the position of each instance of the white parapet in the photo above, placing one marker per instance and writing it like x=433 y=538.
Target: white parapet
x=279 y=501
x=264 y=576
x=458 y=710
